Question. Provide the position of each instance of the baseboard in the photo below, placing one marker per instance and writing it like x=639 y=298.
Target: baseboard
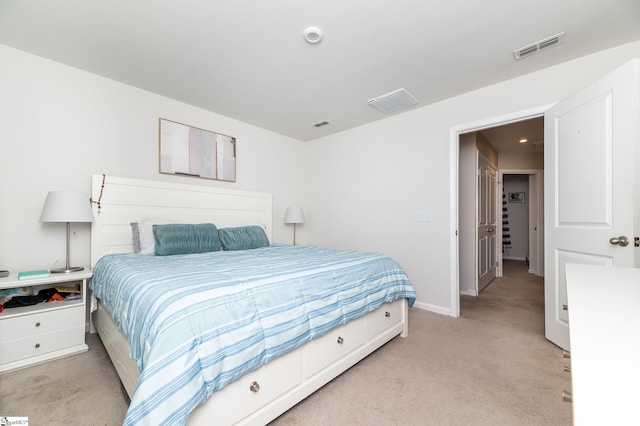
x=514 y=258
x=531 y=271
x=433 y=308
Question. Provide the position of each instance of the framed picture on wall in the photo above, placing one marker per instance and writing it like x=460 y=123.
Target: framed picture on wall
x=516 y=197
x=190 y=151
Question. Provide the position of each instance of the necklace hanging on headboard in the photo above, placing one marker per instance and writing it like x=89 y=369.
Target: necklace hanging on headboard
x=99 y=196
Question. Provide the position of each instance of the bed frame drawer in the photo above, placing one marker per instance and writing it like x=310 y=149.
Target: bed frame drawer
x=322 y=352
x=250 y=392
x=385 y=317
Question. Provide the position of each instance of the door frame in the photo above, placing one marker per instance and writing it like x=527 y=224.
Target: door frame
x=454 y=153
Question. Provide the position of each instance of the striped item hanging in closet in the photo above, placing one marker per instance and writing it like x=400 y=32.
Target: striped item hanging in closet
x=506 y=236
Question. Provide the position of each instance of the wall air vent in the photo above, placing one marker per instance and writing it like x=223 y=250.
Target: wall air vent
x=393 y=101
x=539 y=45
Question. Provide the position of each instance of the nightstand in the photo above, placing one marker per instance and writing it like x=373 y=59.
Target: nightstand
x=45 y=331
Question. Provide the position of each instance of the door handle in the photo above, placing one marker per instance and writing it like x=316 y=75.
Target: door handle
x=621 y=241
x=490 y=230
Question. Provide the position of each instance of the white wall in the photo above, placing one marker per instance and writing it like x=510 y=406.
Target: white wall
x=367 y=183
x=60 y=125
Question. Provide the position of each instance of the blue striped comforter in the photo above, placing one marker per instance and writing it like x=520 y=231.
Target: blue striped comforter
x=198 y=322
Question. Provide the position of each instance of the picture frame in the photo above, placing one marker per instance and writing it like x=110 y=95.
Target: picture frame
x=191 y=151
x=516 y=197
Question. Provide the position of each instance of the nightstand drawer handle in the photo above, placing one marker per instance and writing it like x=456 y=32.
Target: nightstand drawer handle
x=340 y=340
x=38 y=324
x=387 y=314
x=37 y=345
x=254 y=387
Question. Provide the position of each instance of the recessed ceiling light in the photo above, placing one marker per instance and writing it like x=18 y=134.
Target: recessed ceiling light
x=313 y=35
x=524 y=140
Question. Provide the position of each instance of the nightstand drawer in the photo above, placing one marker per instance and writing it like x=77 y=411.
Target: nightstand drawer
x=30 y=346
x=37 y=323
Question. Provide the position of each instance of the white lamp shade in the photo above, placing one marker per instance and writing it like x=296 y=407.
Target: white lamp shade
x=294 y=215
x=66 y=206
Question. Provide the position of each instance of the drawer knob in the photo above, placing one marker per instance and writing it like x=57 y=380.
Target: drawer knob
x=37 y=345
x=254 y=387
x=340 y=340
x=387 y=314
x=38 y=324
x=566 y=396
x=566 y=354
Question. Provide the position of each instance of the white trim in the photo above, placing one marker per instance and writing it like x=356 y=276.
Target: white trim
x=432 y=308
x=454 y=254
x=454 y=133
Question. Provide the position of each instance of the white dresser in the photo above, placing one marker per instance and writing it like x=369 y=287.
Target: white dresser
x=47 y=330
x=604 y=313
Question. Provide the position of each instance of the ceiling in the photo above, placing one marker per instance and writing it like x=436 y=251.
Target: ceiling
x=248 y=60
x=507 y=137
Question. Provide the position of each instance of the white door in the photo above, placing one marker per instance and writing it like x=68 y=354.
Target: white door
x=589 y=187
x=487 y=223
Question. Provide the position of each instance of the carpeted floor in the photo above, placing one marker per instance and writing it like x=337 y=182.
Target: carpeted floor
x=492 y=366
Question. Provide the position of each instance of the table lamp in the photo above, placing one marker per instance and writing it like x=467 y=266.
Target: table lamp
x=67 y=207
x=294 y=215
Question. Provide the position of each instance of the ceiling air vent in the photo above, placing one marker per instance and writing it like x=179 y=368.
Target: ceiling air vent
x=539 y=45
x=321 y=123
x=393 y=101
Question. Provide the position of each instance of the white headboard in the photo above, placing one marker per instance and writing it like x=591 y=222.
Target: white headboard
x=125 y=200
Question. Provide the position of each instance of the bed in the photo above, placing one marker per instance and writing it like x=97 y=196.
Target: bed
x=267 y=324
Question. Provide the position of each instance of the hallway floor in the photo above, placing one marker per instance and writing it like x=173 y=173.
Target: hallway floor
x=516 y=297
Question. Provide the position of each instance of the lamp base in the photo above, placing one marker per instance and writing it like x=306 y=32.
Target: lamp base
x=67 y=270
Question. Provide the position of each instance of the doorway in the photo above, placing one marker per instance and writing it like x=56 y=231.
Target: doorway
x=522 y=231
x=460 y=267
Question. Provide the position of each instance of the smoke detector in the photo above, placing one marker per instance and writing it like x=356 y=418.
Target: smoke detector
x=313 y=35
x=393 y=101
x=539 y=45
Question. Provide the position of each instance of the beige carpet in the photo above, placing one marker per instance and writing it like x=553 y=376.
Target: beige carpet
x=492 y=366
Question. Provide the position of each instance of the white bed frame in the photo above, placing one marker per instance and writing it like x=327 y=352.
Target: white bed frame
x=264 y=394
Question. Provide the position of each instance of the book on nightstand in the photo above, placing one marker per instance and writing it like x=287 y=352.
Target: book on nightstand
x=29 y=275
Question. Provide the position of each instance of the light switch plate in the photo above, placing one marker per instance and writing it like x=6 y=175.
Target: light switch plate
x=424 y=216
